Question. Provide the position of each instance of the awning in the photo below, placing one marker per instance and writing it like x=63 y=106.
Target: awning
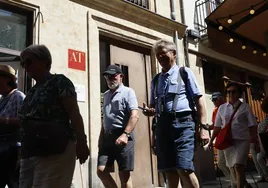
x=239 y=28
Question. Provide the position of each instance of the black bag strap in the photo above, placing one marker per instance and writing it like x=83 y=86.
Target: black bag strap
x=184 y=76
x=176 y=98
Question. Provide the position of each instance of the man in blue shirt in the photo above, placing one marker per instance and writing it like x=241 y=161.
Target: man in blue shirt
x=175 y=129
x=116 y=140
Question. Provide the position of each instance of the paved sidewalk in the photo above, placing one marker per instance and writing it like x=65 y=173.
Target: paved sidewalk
x=225 y=182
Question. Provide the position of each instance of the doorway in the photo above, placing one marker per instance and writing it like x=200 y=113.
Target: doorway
x=135 y=63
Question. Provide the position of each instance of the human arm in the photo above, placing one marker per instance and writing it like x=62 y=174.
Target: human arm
x=201 y=109
x=215 y=133
x=217 y=128
x=100 y=136
x=133 y=119
x=72 y=109
x=132 y=107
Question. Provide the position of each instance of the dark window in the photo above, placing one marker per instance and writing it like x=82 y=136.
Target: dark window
x=213 y=74
x=104 y=62
x=125 y=72
x=15 y=27
x=141 y=3
x=257 y=87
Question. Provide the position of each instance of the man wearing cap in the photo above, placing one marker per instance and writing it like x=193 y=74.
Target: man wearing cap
x=218 y=99
x=116 y=140
x=10 y=102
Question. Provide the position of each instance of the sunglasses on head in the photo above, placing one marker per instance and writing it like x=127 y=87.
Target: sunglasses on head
x=231 y=91
x=26 y=62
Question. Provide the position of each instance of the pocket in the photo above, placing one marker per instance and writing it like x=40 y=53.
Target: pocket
x=117 y=105
x=173 y=87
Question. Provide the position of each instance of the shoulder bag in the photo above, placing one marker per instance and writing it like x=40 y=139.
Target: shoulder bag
x=224 y=138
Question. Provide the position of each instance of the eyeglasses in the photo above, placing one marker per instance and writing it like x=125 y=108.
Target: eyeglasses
x=231 y=91
x=162 y=53
x=110 y=76
x=26 y=62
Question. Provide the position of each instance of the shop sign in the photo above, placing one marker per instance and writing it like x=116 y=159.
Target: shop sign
x=76 y=60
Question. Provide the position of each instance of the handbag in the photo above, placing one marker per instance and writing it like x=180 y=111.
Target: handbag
x=224 y=138
x=43 y=138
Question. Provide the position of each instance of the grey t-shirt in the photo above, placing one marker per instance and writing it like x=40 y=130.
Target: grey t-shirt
x=117 y=107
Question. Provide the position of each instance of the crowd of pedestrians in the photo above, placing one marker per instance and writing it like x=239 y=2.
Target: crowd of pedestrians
x=44 y=130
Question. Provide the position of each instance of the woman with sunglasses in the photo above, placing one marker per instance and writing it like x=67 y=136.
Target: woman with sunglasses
x=52 y=127
x=243 y=130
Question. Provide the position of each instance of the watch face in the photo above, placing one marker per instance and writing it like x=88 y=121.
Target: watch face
x=128 y=134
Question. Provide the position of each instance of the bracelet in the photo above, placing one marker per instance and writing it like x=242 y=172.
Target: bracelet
x=7 y=120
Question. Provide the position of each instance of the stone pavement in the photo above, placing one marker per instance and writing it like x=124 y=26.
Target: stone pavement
x=225 y=182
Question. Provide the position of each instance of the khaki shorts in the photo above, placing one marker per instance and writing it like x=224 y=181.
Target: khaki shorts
x=49 y=172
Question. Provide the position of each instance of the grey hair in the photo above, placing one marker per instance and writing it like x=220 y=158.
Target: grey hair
x=41 y=52
x=163 y=43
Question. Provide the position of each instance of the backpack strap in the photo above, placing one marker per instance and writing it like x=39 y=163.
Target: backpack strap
x=176 y=98
x=155 y=82
x=184 y=76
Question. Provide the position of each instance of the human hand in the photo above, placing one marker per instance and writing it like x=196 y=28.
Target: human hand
x=82 y=151
x=122 y=140
x=210 y=145
x=148 y=111
x=203 y=137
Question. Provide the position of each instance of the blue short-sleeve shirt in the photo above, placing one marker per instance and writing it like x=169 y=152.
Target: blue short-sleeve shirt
x=167 y=88
x=117 y=107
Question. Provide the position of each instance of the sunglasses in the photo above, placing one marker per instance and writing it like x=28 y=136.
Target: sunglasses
x=26 y=63
x=214 y=100
x=110 y=76
x=163 y=53
x=231 y=91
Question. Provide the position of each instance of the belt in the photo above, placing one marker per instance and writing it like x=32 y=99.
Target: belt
x=177 y=114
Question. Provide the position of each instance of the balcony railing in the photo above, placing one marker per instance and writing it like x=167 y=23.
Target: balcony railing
x=141 y=3
x=203 y=8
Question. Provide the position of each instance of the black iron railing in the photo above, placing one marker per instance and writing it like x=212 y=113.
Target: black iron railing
x=203 y=8
x=141 y=3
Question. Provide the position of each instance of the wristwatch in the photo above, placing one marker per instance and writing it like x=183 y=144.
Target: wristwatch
x=128 y=134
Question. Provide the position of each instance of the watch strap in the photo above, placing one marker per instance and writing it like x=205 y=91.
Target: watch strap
x=128 y=134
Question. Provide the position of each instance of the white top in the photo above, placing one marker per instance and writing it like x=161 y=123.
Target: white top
x=243 y=119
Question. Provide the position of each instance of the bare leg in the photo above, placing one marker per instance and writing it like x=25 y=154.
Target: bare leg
x=172 y=179
x=125 y=179
x=240 y=175
x=106 y=178
x=188 y=178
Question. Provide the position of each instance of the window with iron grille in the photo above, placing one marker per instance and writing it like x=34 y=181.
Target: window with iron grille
x=141 y=3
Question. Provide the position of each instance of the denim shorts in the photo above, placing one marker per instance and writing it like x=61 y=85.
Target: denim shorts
x=175 y=137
